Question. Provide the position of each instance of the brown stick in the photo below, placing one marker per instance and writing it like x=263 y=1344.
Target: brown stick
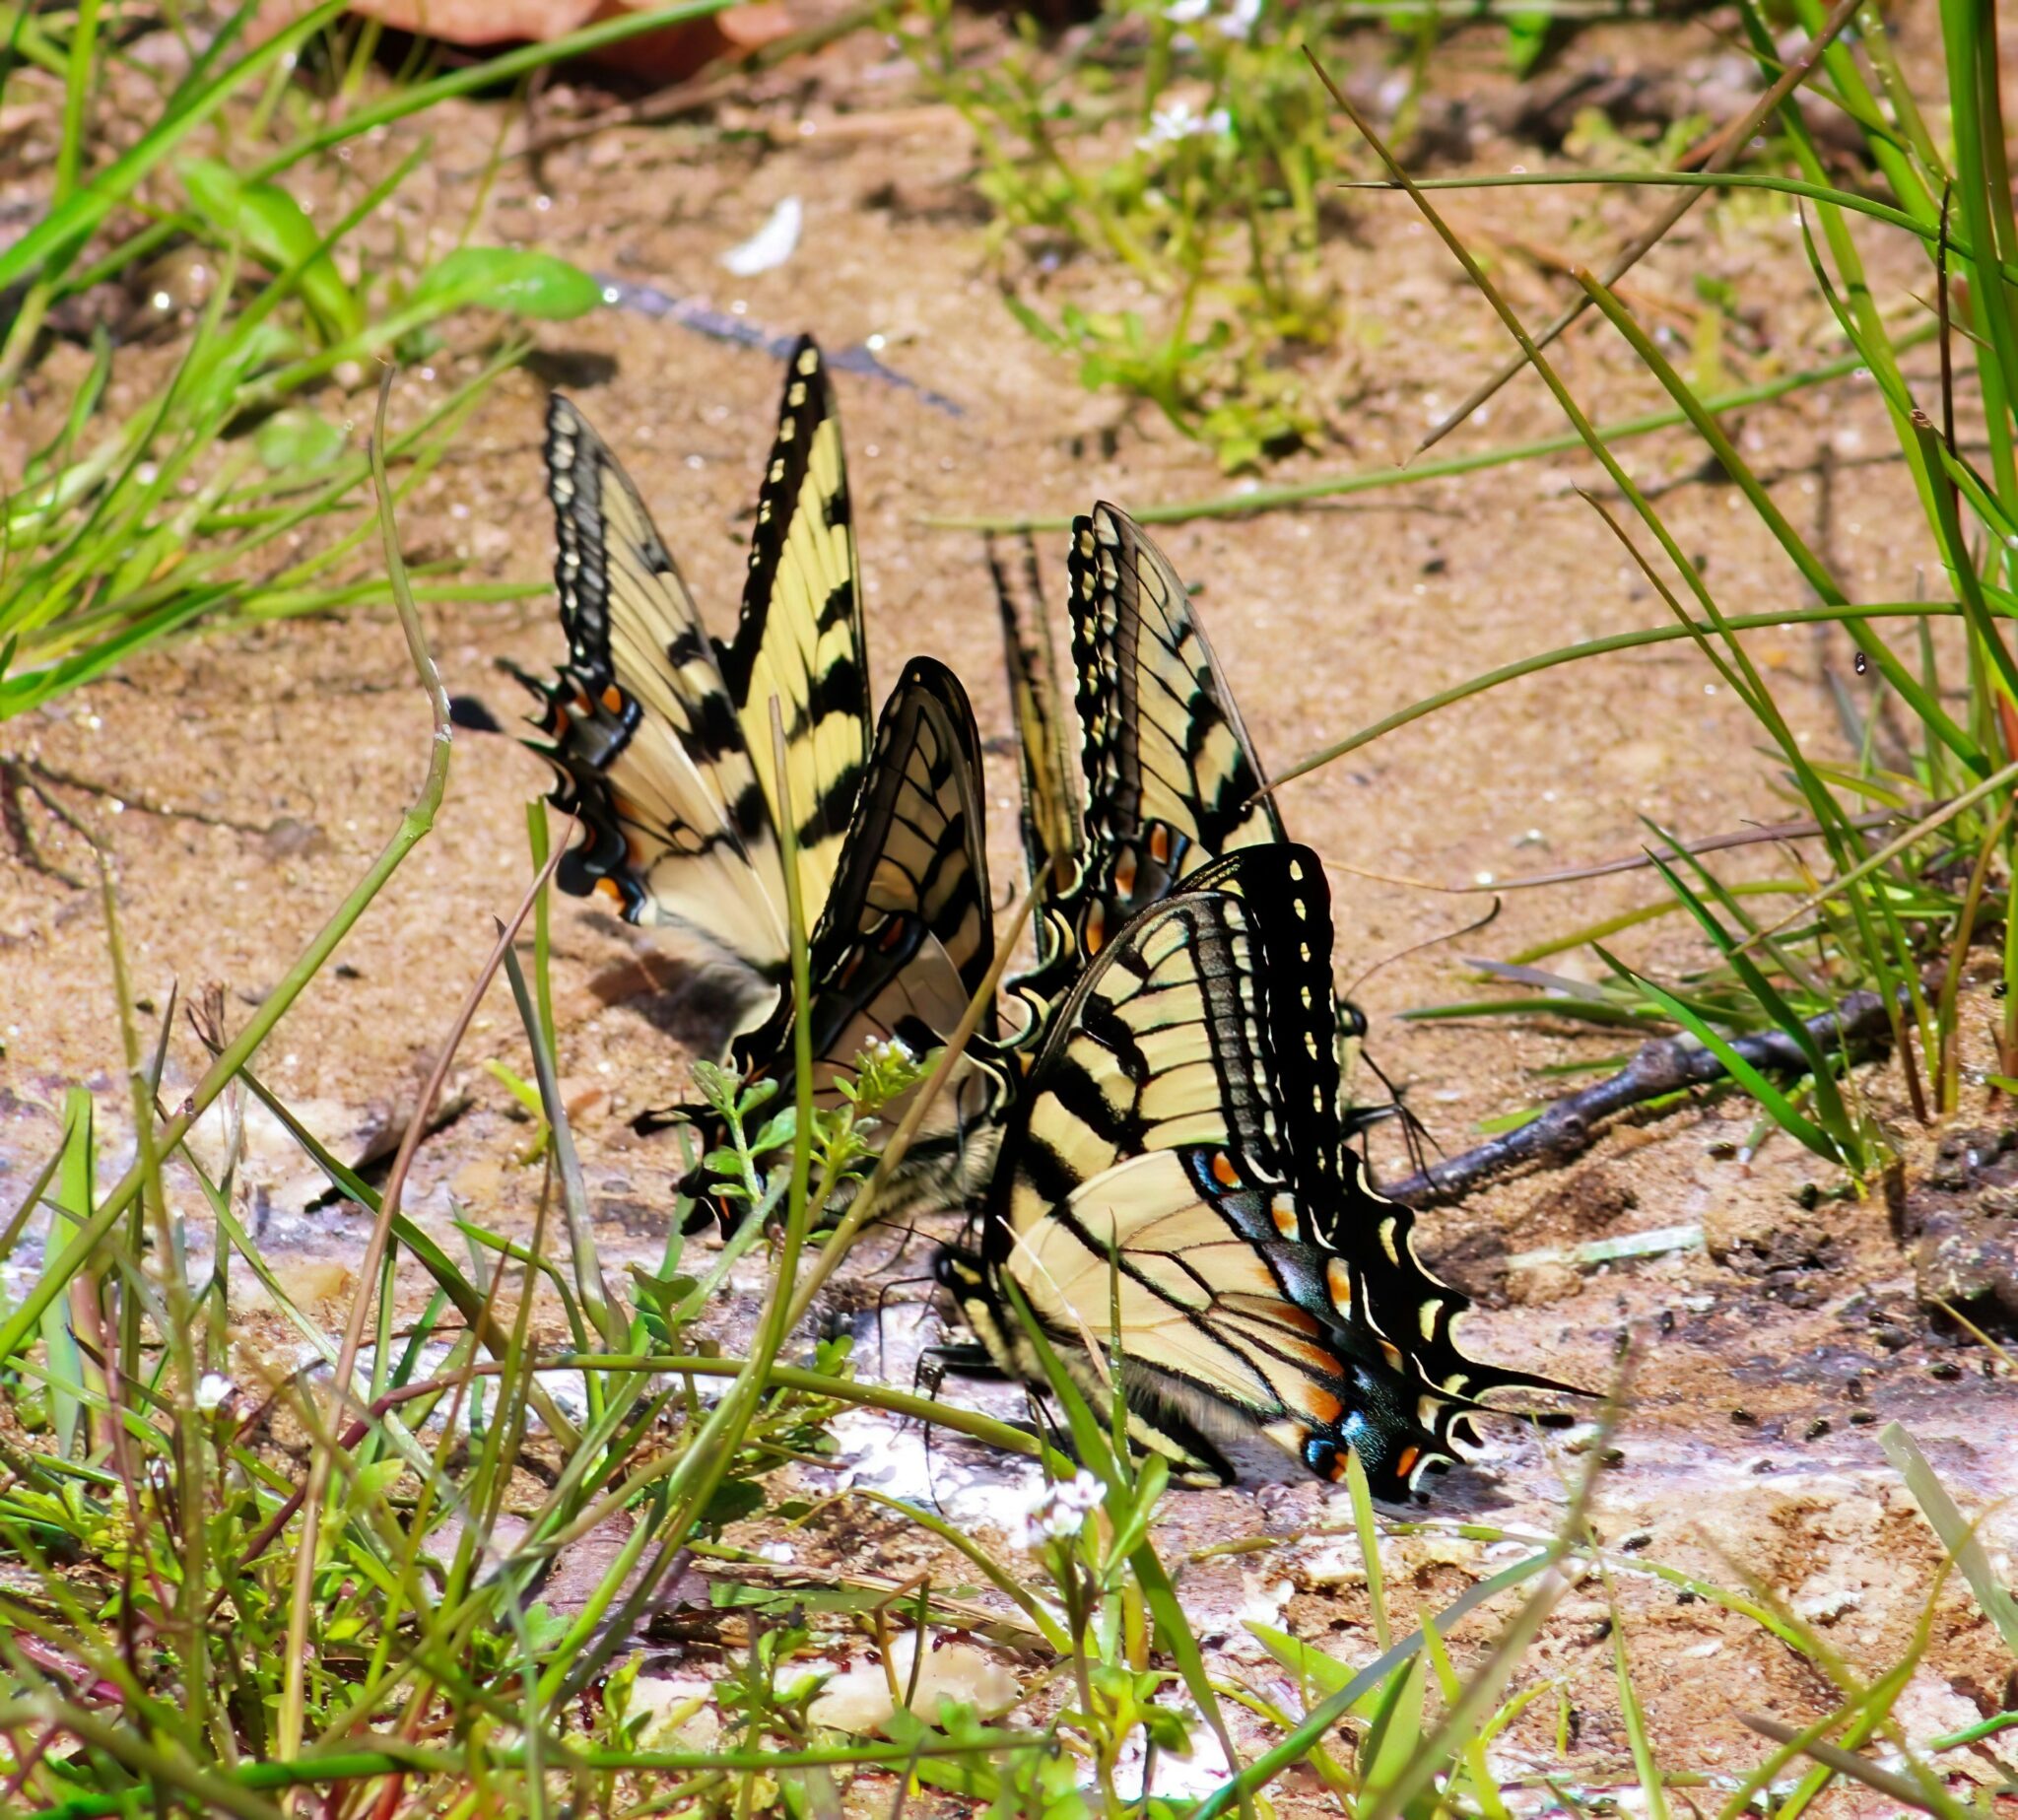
x=1571 y=1125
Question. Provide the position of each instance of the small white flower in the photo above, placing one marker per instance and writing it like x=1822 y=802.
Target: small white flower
x=1180 y=120
x=1060 y=1509
x=1241 y=19
x=778 y=1553
x=213 y=1391
x=1187 y=12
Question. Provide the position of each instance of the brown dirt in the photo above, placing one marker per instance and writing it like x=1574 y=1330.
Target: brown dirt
x=259 y=772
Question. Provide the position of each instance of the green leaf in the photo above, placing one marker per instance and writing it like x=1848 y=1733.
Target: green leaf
x=1777 y=1105
x=519 y=281
x=271 y=226
x=291 y=440
x=733 y=1500
x=63 y=1357
x=1311 y=1667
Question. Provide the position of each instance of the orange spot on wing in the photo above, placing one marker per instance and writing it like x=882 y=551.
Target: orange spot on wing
x=1160 y=845
x=612 y=699
x=1322 y=1406
x=1222 y=1170
x=1407 y=1463
x=1124 y=875
x=1096 y=931
x=610 y=886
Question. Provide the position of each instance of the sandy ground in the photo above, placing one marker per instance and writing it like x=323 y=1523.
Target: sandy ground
x=246 y=779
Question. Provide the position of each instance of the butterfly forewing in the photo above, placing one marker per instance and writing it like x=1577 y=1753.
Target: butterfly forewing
x=1171 y=775
x=800 y=640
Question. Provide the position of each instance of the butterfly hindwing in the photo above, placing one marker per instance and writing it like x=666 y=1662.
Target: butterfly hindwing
x=908 y=936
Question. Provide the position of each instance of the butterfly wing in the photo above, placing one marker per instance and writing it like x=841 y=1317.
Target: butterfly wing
x=642 y=731
x=1052 y=832
x=1373 y=1276
x=1174 y=1125
x=1171 y=773
x=907 y=938
x=800 y=640
x=1176 y=1156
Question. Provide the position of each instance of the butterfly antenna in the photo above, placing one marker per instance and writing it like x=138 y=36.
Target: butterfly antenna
x=1431 y=941
x=882 y=1307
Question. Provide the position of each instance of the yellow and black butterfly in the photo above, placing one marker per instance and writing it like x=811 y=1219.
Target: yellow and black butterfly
x=1177 y=1151
x=664 y=745
x=662 y=735
x=1053 y=831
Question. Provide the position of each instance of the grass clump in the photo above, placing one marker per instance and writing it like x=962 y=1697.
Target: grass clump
x=204 y=465
x=1185 y=144
x=1914 y=825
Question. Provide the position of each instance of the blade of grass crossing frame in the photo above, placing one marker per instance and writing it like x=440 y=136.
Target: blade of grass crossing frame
x=1918 y=610
x=1811 y=567
x=1894 y=967
x=1870 y=338
x=71 y=1212
x=1968 y=27
x=1090 y=1442
x=1478 y=1769
x=1365 y=1527
x=589 y=1282
x=1947 y=1064
x=1776 y=1102
x=1834 y=1114
x=717 y=1441
x=1958 y=1534
x=538 y=835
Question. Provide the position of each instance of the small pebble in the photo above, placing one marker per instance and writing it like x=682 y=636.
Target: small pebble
x=1818 y=1428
